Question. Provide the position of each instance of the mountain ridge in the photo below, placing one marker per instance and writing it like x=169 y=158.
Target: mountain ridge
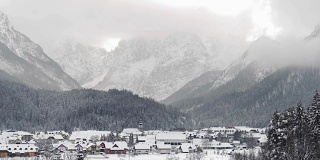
x=47 y=71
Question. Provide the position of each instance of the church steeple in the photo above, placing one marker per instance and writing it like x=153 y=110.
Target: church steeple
x=140 y=127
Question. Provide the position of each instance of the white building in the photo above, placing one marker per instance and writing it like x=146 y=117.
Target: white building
x=89 y=135
x=206 y=144
x=173 y=139
x=229 y=130
x=163 y=148
x=187 y=148
x=141 y=148
x=20 y=149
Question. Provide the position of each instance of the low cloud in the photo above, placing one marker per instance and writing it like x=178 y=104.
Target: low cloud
x=286 y=53
x=95 y=21
x=297 y=18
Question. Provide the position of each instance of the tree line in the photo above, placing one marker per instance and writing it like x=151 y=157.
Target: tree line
x=23 y=108
x=295 y=133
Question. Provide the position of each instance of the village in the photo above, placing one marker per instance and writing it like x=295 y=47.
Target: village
x=131 y=142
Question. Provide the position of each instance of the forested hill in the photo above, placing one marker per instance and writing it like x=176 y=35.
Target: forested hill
x=23 y=108
x=254 y=106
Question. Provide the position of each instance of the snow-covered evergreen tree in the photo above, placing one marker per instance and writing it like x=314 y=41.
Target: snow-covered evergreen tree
x=277 y=139
x=315 y=124
x=294 y=134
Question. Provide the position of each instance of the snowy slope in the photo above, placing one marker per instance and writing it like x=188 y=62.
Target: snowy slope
x=153 y=68
x=82 y=62
x=157 y=68
x=29 y=62
x=251 y=58
x=239 y=76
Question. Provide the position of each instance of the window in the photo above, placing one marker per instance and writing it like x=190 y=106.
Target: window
x=9 y=149
x=20 y=149
x=15 y=149
x=26 y=149
x=31 y=148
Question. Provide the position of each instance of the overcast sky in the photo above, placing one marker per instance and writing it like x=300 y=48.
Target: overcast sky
x=104 y=22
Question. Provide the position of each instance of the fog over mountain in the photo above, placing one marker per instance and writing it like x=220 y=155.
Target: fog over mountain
x=103 y=23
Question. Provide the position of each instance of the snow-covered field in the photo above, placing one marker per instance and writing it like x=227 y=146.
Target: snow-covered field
x=211 y=155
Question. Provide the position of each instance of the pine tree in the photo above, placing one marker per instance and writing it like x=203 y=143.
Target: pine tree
x=110 y=137
x=292 y=134
x=276 y=139
x=288 y=127
x=314 y=124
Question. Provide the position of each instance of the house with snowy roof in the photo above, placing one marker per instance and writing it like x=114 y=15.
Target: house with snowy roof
x=262 y=140
x=22 y=135
x=207 y=144
x=163 y=148
x=187 y=148
x=141 y=148
x=90 y=135
x=152 y=132
x=48 y=137
x=229 y=130
x=191 y=135
x=151 y=140
x=127 y=131
x=23 y=150
x=68 y=146
x=93 y=148
x=216 y=145
x=171 y=138
x=117 y=147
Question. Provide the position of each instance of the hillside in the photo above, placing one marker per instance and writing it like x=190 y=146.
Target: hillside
x=23 y=108
x=25 y=60
x=255 y=105
x=239 y=76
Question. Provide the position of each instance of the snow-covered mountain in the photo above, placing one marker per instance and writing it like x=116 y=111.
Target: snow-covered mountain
x=82 y=62
x=315 y=33
x=156 y=68
x=22 y=58
x=240 y=75
x=153 y=68
x=251 y=60
x=267 y=78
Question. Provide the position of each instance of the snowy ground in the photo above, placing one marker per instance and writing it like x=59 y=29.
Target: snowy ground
x=211 y=155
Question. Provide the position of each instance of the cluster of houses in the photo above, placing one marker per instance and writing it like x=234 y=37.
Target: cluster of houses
x=129 y=141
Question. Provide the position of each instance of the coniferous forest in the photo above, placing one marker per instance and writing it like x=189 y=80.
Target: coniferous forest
x=23 y=108
x=295 y=133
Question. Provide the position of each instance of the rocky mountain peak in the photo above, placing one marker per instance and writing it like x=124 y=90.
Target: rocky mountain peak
x=316 y=31
x=4 y=21
x=30 y=63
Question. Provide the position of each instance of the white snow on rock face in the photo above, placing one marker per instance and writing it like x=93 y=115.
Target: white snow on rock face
x=253 y=58
x=316 y=31
x=157 y=68
x=82 y=62
x=151 y=68
x=45 y=69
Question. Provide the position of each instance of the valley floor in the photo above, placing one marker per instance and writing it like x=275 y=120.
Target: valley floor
x=211 y=155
